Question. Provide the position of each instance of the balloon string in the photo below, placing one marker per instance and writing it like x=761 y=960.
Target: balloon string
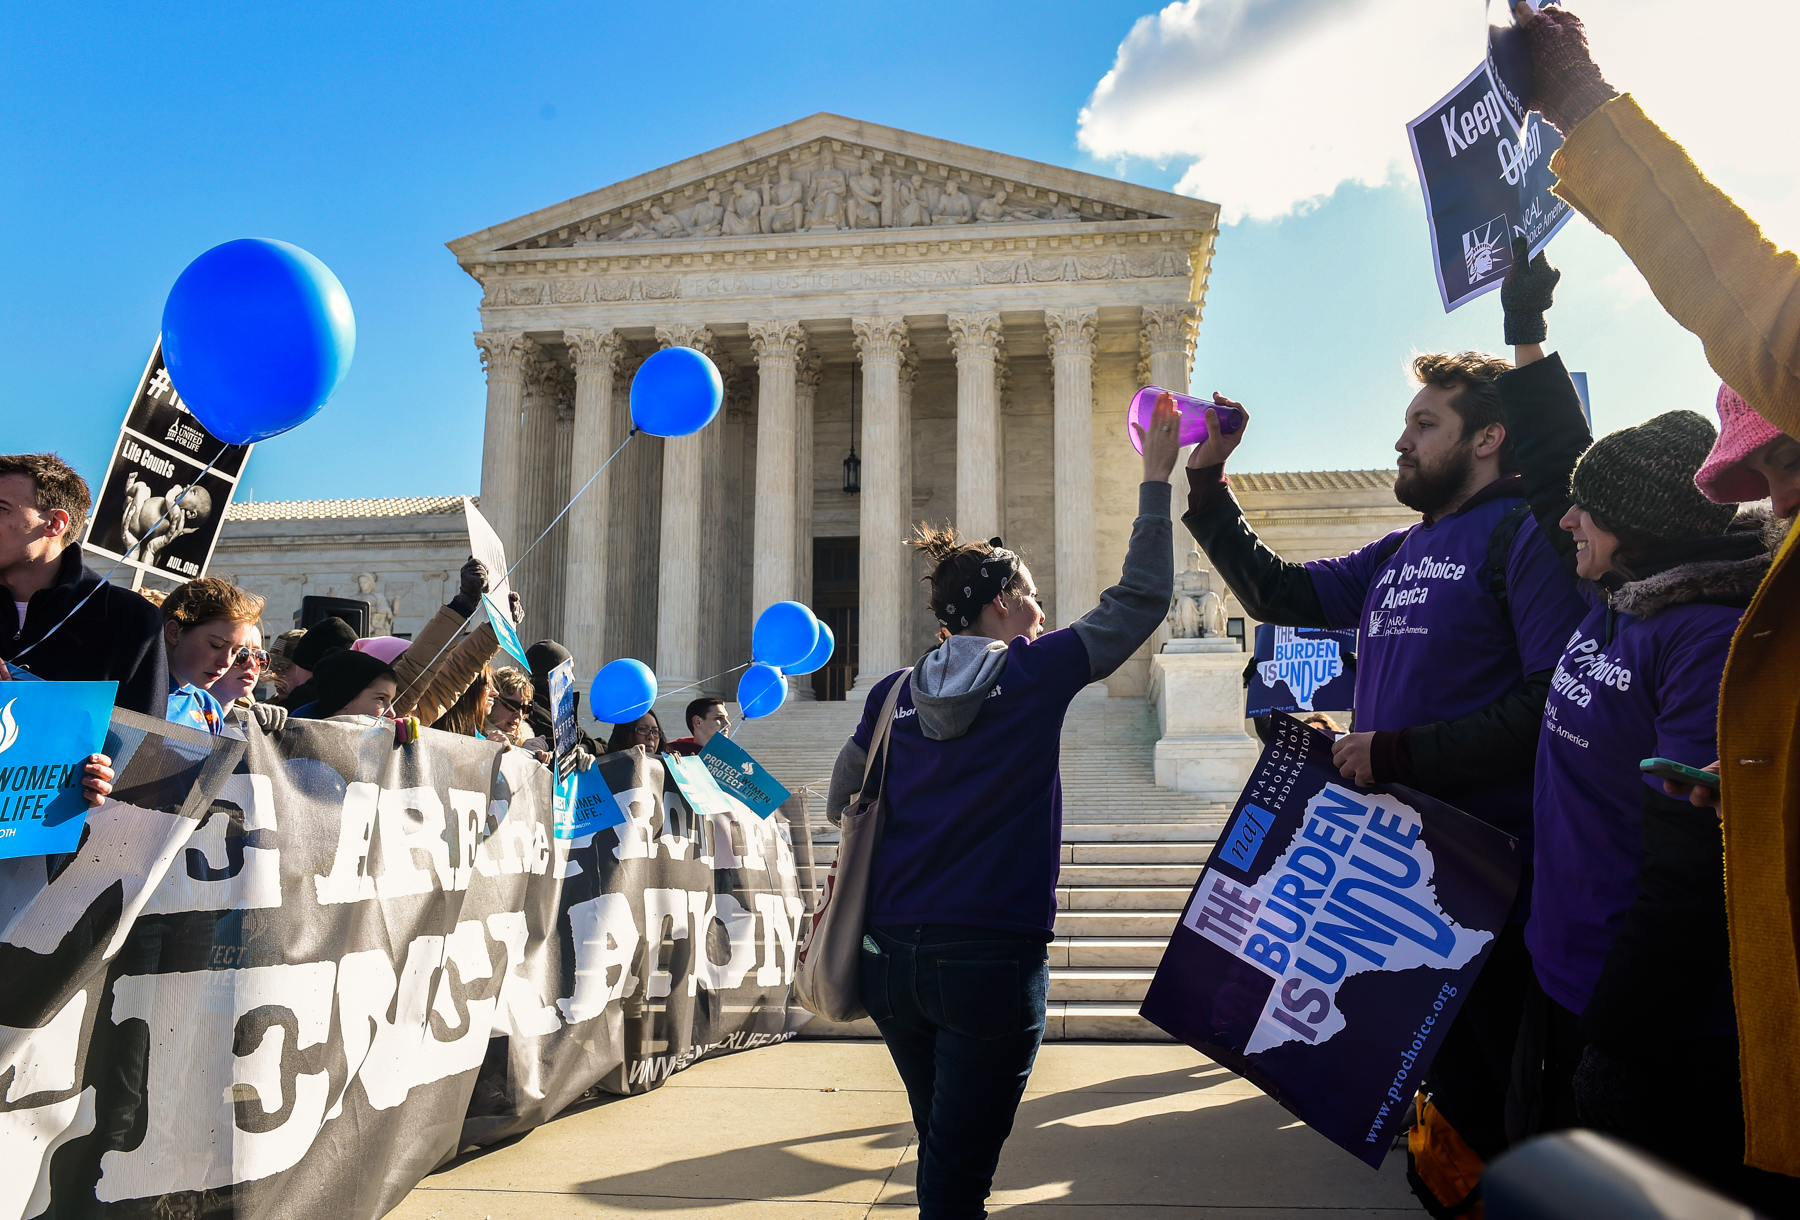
x=142 y=543
x=703 y=681
x=457 y=635
x=571 y=503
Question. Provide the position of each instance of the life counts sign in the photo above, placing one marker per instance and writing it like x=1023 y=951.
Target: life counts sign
x=1332 y=938
x=1484 y=185
x=160 y=508
x=287 y=977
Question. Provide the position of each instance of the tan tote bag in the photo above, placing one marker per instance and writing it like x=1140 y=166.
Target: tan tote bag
x=825 y=982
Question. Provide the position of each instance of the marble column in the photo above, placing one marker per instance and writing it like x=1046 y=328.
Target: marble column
x=778 y=346
x=975 y=338
x=1071 y=342
x=806 y=392
x=909 y=600
x=504 y=353
x=596 y=354
x=678 y=547
x=879 y=342
x=546 y=381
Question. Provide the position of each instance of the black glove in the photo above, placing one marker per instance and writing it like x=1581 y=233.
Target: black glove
x=1528 y=290
x=472 y=582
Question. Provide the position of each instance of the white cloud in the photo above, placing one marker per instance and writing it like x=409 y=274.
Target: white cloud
x=1276 y=103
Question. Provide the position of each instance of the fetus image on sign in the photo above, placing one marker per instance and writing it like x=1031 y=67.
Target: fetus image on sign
x=144 y=510
x=1487 y=250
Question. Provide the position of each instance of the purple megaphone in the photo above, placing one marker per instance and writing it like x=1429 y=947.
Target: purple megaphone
x=1193 y=415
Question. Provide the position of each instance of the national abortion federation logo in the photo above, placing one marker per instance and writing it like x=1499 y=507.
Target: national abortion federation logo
x=9 y=728
x=1303 y=665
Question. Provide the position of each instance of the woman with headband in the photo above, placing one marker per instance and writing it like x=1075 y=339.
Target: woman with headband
x=954 y=968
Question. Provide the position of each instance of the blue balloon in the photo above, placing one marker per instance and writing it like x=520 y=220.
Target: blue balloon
x=820 y=654
x=256 y=336
x=785 y=635
x=676 y=392
x=761 y=691
x=622 y=691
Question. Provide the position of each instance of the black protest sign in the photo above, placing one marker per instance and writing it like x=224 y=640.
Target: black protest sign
x=289 y=976
x=1332 y=939
x=162 y=503
x=1484 y=185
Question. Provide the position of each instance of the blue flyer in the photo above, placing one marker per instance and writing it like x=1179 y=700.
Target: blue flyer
x=697 y=785
x=1484 y=184
x=583 y=804
x=736 y=772
x=1301 y=669
x=47 y=730
x=503 y=628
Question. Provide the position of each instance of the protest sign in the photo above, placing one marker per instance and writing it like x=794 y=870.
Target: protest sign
x=485 y=545
x=1508 y=62
x=503 y=629
x=47 y=731
x=736 y=772
x=584 y=805
x=697 y=784
x=161 y=453
x=1302 y=669
x=562 y=707
x=1332 y=939
x=287 y=976
x=1484 y=185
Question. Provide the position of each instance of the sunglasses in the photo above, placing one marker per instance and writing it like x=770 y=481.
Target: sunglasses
x=517 y=707
x=246 y=653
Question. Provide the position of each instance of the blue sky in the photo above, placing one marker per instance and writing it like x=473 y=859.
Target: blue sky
x=371 y=134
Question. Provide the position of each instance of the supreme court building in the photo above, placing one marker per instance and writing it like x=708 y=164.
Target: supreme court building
x=974 y=325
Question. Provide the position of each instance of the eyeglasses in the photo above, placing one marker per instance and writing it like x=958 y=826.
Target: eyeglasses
x=517 y=707
x=246 y=653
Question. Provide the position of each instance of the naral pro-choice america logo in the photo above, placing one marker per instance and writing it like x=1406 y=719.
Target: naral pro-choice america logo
x=1302 y=664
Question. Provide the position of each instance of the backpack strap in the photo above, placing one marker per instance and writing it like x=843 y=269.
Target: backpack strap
x=1394 y=543
x=1500 y=546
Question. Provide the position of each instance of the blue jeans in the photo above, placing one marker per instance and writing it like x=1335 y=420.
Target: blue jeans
x=962 y=1012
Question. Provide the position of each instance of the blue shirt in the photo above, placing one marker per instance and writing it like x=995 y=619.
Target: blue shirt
x=974 y=824
x=195 y=708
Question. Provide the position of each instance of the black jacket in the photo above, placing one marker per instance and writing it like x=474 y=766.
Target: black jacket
x=116 y=636
x=1450 y=754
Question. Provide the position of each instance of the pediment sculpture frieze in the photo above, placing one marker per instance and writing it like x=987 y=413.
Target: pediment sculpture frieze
x=828 y=191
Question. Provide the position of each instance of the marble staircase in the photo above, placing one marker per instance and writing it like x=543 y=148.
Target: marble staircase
x=1131 y=852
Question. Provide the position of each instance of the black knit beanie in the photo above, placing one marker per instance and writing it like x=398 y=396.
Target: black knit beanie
x=323 y=635
x=342 y=676
x=1642 y=479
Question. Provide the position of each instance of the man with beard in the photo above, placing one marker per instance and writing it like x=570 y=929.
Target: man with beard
x=1462 y=618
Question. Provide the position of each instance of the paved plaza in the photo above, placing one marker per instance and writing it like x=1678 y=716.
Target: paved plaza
x=819 y=1131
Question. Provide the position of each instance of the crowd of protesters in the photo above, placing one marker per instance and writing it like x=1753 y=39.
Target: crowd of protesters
x=1581 y=606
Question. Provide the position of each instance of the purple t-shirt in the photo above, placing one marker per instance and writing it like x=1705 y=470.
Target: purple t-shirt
x=1651 y=692
x=1434 y=644
x=974 y=824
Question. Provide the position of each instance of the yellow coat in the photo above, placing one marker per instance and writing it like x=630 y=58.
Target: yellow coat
x=1712 y=269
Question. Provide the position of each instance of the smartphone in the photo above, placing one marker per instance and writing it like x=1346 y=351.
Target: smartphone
x=1681 y=773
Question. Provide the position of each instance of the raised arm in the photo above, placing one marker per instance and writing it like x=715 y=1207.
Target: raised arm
x=1269 y=588
x=1130 y=611
x=1705 y=259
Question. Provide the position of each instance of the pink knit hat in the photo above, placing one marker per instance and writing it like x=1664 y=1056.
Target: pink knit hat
x=1724 y=479
x=383 y=648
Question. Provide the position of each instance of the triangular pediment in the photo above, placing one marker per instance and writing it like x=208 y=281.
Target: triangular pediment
x=830 y=175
